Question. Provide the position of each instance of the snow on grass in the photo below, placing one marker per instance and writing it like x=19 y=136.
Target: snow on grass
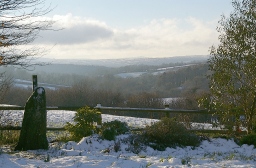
x=58 y=118
x=131 y=121
x=92 y=151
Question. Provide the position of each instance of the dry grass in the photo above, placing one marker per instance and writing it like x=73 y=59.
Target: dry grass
x=9 y=137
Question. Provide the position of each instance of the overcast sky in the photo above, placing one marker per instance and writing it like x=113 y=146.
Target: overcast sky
x=103 y=29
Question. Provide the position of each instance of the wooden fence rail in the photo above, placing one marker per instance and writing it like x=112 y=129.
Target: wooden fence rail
x=120 y=109
x=48 y=108
x=108 y=110
x=166 y=110
x=19 y=128
x=125 y=111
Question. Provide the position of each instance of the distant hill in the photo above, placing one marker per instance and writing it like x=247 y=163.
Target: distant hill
x=113 y=66
x=67 y=72
x=129 y=61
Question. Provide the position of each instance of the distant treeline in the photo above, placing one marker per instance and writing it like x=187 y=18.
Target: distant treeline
x=109 y=90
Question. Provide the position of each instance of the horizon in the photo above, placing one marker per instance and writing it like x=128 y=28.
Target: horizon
x=125 y=58
x=120 y=62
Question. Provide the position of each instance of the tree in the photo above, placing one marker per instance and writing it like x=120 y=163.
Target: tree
x=145 y=100
x=232 y=62
x=20 y=26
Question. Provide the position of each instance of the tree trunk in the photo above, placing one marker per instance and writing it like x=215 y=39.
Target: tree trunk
x=250 y=117
x=33 y=132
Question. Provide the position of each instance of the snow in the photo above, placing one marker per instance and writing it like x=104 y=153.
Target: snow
x=92 y=151
x=58 y=118
x=28 y=84
x=40 y=90
x=8 y=105
x=168 y=68
x=130 y=75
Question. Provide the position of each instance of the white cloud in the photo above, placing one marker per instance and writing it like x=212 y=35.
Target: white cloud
x=74 y=30
x=87 y=38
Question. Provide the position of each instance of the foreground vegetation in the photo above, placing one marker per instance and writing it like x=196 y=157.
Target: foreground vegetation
x=168 y=132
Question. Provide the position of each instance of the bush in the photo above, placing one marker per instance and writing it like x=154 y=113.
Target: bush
x=254 y=126
x=86 y=121
x=111 y=129
x=169 y=133
x=108 y=134
x=249 y=139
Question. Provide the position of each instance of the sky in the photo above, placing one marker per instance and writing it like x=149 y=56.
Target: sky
x=113 y=29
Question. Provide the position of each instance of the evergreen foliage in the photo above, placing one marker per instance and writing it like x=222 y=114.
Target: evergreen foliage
x=249 y=139
x=111 y=129
x=86 y=121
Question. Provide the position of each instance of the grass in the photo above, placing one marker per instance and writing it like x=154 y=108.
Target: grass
x=9 y=137
x=58 y=136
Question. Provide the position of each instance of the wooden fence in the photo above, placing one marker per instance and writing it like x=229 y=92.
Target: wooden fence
x=135 y=112
x=118 y=111
x=121 y=111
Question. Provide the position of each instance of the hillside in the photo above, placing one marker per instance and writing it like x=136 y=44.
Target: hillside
x=91 y=84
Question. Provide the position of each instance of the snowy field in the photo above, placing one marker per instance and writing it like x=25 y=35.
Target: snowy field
x=95 y=152
x=58 y=118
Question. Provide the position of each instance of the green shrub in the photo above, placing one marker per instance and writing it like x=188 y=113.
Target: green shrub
x=86 y=121
x=249 y=139
x=169 y=133
x=108 y=134
x=110 y=129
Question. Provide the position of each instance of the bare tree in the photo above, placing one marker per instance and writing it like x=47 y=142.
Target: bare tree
x=20 y=25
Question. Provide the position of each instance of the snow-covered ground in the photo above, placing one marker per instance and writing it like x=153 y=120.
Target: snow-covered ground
x=95 y=152
x=28 y=84
x=58 y=118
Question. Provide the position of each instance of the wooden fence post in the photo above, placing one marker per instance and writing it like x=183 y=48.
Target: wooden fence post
x=34 y=80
